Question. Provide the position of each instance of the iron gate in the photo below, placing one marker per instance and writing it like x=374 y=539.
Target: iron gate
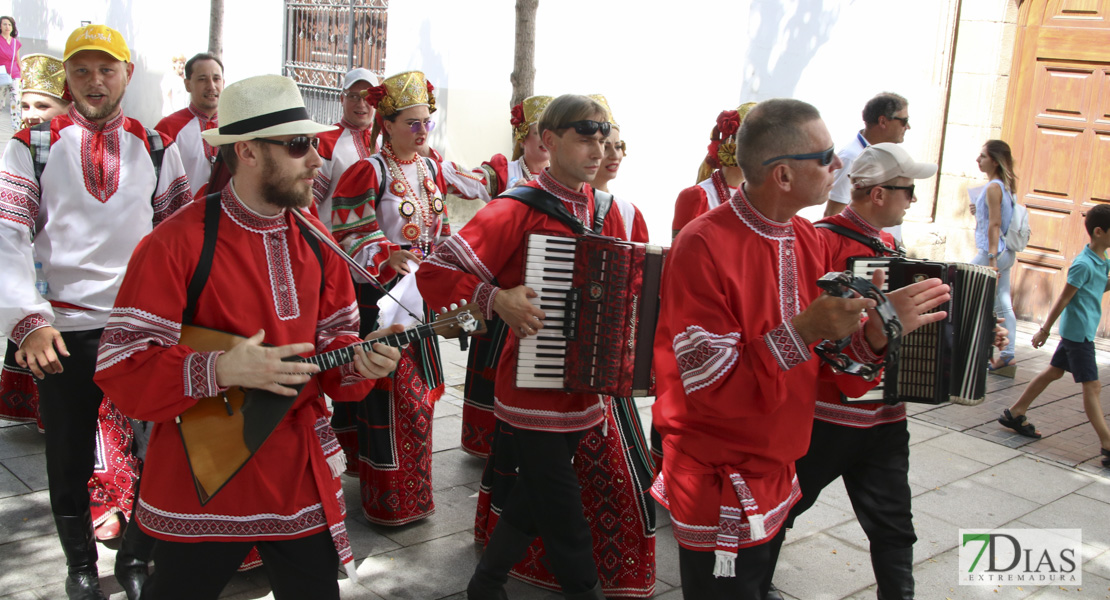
x=326 y=38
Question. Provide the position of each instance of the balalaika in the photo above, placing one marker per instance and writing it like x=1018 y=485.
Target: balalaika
x=601 y=299
x=944 y=361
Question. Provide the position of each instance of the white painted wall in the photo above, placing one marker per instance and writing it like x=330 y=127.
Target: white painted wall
x=669 y=68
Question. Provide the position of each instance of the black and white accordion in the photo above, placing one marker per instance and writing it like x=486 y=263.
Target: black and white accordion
x=944 y=361
x=601 y=299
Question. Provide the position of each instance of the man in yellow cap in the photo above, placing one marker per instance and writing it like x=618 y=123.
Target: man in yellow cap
x=79 y=192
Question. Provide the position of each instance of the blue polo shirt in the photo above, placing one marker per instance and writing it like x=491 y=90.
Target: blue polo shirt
x=1088 y=273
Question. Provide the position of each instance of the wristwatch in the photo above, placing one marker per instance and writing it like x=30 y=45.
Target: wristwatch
x=991 y=255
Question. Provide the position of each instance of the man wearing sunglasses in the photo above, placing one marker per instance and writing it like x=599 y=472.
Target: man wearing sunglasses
x=735 y=371
x=484 y=262
x=868 y=444
x=79 y=192
x=886 y=118
x=240 y=262
x=350 y=142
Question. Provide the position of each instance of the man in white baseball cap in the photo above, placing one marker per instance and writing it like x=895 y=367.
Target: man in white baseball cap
x=350 y=142
x=240 y=261
x=868 y=444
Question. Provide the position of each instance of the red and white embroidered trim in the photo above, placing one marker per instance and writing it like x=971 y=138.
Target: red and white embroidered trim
x=859 y=415
x=19 y=200
x=549 y=420
x=704 y=357
x=25 y=326
x=484 y=294
x=200 y=375
x=456 y=254
x=786 y=346
x=129 y=331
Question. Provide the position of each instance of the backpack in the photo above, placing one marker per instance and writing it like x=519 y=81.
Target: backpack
x=1017 y=235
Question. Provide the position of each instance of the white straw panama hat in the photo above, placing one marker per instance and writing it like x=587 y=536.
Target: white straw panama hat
x=262 y=106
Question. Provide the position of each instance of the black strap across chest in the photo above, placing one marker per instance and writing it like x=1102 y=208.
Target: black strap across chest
x=875 y=244
x=212 y=210
x=548 y=204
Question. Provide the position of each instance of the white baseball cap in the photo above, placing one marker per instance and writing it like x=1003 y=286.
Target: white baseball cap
x=880 y=163
x=359 y=74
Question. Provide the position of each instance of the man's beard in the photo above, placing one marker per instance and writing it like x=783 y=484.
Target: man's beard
x=281 y=192
x=95 y=114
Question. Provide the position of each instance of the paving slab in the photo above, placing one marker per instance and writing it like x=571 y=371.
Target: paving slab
x=25 y=516
x=1075 y=511
x=938 y=577
x=666 y=558
x=843 y=568
x=21 y=440
x=454 y=467
x=446 y=433
x=969 y=447
x=30 y=469
x=432 y=569
x=10 y=485
x=973 y=506
x=933 y=467
x=454 y=514
x=1035 y=479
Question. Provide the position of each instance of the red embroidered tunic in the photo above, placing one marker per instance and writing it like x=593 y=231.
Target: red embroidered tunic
x=339 y=149
x=486 y=256
x=97 y=197
x=699 y=199
x=736 y=384
x=197 y=155
x=264 y=276
x=830 y=407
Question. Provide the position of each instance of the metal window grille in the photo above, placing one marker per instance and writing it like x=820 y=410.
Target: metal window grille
x=326 y=38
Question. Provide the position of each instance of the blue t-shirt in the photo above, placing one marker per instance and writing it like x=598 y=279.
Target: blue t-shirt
x=1088 y=273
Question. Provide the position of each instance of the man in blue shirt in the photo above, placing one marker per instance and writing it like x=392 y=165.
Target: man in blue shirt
x=1079 y=308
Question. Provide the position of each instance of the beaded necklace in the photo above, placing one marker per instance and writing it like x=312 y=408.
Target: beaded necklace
x=416 y=208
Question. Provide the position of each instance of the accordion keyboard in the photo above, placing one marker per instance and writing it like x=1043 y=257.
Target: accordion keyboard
x=541 y=359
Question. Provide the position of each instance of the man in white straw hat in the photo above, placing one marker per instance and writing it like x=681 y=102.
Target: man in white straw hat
x=78 y=192
x=242 y=262
x=868 y=443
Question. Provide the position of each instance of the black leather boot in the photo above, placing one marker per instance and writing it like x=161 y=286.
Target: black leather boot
x=593 y=594
x=506 y=547
x=131 y=560
x=894 y=573
x=79 y=546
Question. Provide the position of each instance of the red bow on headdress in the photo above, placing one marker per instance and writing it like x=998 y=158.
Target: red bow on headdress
x=728 y=122
x=517 y=118
x=711 y=156
x=431 y=88
x=374 y=94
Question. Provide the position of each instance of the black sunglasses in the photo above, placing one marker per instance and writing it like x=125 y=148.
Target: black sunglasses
x=908 y=188
x=905 y=121
x=825 y=157
x=588 y=127
x=297 y=146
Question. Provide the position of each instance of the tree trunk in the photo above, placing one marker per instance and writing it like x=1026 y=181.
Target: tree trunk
x=216 y=28
x=524 y=64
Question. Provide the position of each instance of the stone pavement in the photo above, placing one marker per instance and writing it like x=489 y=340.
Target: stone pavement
x=965 y=471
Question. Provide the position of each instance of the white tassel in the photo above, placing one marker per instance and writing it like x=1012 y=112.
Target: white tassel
x=726 y=564
x=758 y=530
x=352 y=571
x=337 y=463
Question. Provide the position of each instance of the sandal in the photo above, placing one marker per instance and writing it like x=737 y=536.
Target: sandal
x=1105 y=457
x=1022 y=425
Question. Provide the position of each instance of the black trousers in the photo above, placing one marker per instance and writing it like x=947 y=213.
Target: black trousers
x=298 y=569
x=755 y=566
x=875 y=464
x=546 y=500
x=69 y=403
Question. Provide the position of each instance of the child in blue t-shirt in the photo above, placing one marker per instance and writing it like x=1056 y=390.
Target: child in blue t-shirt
x=1079 y=308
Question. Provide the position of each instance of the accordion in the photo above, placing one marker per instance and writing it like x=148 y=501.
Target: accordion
x=944 y=361
x=601 y=299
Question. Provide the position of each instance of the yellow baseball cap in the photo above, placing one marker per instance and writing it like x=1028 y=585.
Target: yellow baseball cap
x=97 y=37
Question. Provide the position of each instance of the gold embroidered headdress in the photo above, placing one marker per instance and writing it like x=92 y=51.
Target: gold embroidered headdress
x=401 y=91
x=526 y=114
x=43 y=74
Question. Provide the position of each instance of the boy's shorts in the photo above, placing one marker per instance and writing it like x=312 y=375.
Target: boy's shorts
x=1077 y=358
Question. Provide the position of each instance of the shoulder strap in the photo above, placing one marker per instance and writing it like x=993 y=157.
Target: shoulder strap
x=603 y=201
x=154 y=140
x=546 y=204
x=207 y=252
x=381 y=181
x=40 y=147
x=875 y=244
x=315 y=245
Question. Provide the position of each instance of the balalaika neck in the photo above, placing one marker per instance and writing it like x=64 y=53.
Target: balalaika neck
x=342 y=356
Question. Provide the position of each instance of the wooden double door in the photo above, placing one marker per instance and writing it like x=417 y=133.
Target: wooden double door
x=1058 y=124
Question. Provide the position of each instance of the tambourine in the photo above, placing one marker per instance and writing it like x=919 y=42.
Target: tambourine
x=843 y=284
